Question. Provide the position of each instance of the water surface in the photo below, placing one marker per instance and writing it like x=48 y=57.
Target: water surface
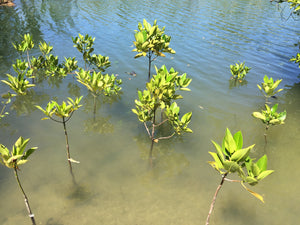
x=116 y=185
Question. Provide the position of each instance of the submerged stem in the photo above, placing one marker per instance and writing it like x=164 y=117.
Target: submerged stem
x=68 y=150
x=214 y=198
x=31 y=215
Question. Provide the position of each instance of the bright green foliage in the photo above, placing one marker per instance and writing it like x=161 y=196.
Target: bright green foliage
x=295 y=4
x=231 y=157
x=18 y=84
x=18 y=154
x=25 y=45
x=151 y=39
x=159 y=93
x=63 y=110
x=268 y=87
x=98 y=83
x=239 y=71
x=270 y=116
x=8 y=97
x=84 y=45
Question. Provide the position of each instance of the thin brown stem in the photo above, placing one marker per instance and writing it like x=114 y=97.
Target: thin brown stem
x=68 y=150
x=149 y=69
x=31 y=215
x=167 y=137
x=157 y=125
x=214 y=198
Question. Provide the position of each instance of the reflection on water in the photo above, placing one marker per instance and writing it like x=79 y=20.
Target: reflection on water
x=115 y=183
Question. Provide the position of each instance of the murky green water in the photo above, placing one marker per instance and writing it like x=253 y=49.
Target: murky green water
x=116 y=185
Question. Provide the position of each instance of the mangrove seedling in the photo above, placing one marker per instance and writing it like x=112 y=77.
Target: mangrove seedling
x=18 y=84
x=268 y=87
x=231 y=157
x=151 y=40
x=64 y=112
x=25 y=46
x=161 y=94
x=84 y=45
x=239 y=71
x=13 y=160
x=270 y=116
x=296 y=59
x=98 y=84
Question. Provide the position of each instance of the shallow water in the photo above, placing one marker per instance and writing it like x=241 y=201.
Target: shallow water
x=115 y=184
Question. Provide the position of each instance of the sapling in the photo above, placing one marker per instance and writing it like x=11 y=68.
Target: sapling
x=239 y=71
x=13 y=160
x=160 y=94
x=19 y=84
x=84 y=44
x=151 y=40
x=231 y=157
x=98 y=84
x=64 y=112
x=270 y=116
x=268 y=87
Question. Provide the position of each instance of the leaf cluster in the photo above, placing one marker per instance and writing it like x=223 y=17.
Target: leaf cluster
x=239 y=71
x=268 y=87
x=63 y=110
x=231 y=157
x=18 y=154
x=270 y=116
x=98 y=83
x=160 y=93
x=151 y=39
x=296 y=59
x=25 y=45
x=84 y=45
x=18 y=84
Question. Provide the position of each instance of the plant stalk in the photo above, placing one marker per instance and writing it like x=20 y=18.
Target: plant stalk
x=152 y=140
x=31 y=215
x=68 y=150
x=214 y=198
x=149 y=69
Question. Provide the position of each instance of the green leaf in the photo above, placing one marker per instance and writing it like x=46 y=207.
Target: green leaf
x=256 y=195
x=229 y=142
x=219 y=164
x=231 y=166
x=238 y=138
x=262 y=163
x=241 y=155
x=219 y=151
x=264 y=174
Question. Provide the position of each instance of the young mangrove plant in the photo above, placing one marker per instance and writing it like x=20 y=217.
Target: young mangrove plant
x=296 y=59
x=19 y=84
x=25 y=46
x=160 y=94
x=268 y=87
x=98 y=84
x=239 y=71
x=270 y=116
x=84 y=45
x=151 y=40
x=231 y=157
x=13 y=160
x=64 y=112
